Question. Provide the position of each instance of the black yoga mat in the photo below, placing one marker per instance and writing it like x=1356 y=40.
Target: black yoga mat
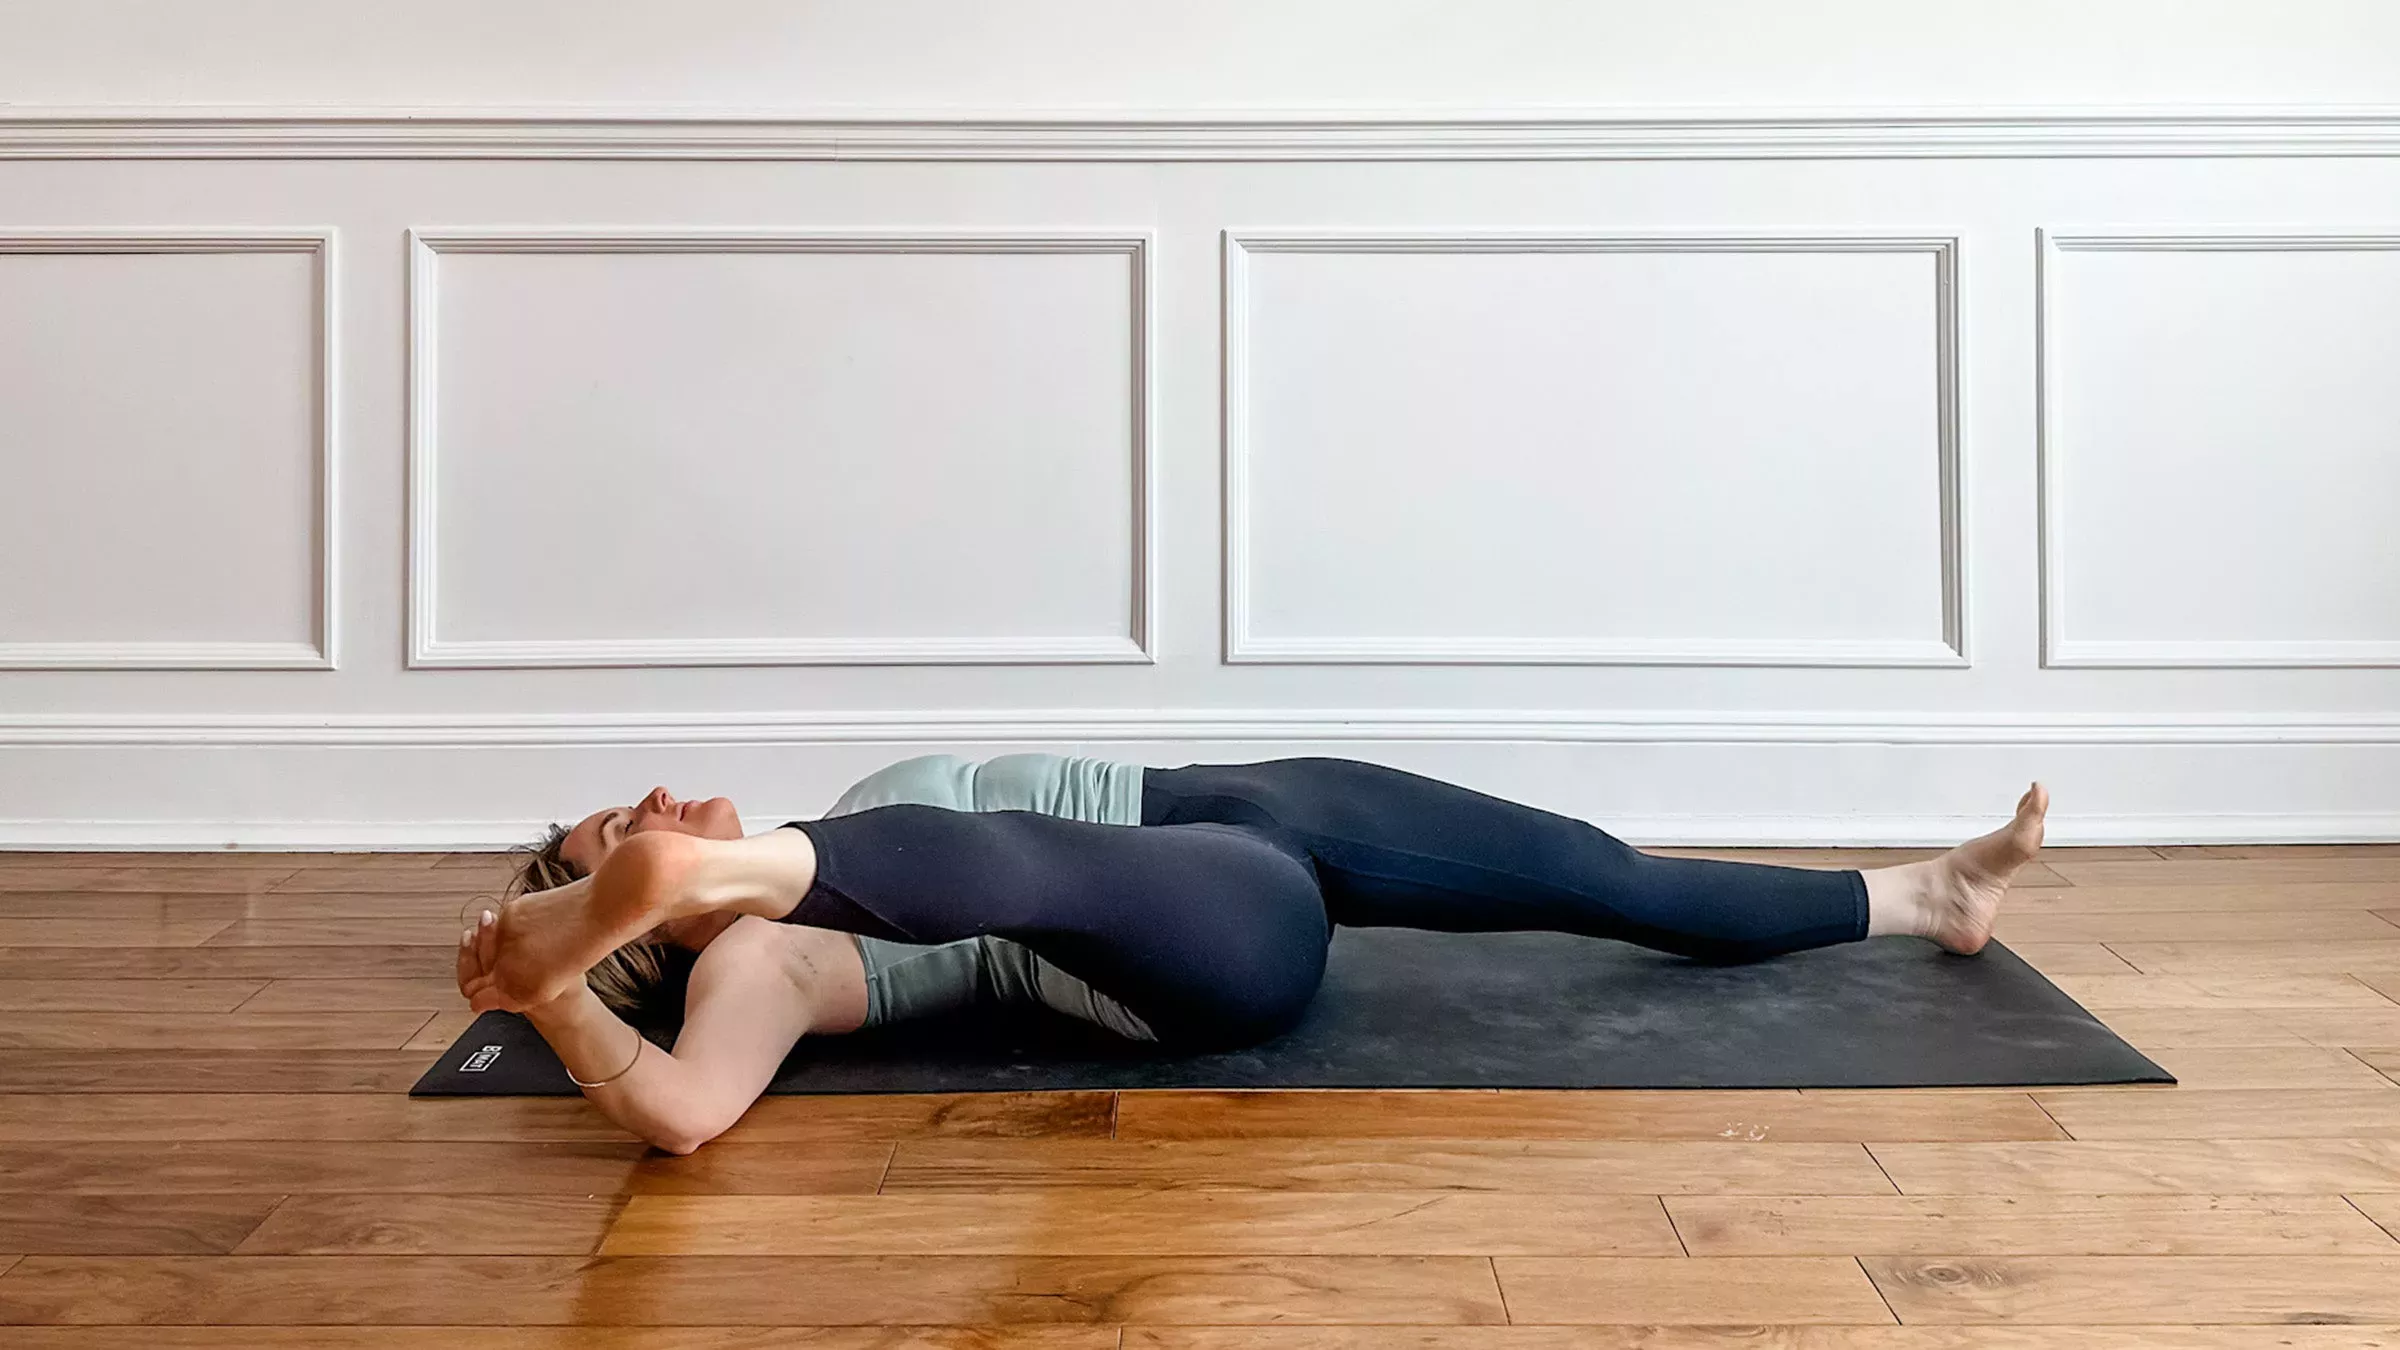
x=1407 y=1009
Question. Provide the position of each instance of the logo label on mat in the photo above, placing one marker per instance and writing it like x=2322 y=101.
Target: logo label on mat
x=480 y=1060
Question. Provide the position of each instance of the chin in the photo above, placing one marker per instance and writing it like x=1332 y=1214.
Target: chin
x=721 y=820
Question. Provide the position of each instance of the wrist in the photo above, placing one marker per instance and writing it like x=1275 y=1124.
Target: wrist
x=578 y=1006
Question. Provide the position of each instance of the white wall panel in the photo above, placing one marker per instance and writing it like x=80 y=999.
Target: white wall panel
x=2219 y=446
x=167 y=450
x=1592 y=449
x=1668 y=415
x=695 y=448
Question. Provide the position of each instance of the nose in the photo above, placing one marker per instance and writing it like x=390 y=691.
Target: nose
x=659 y=799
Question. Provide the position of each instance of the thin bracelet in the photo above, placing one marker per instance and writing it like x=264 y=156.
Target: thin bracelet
x=638 y=1041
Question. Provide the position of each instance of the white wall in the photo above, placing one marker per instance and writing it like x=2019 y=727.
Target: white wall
x=1521 y=393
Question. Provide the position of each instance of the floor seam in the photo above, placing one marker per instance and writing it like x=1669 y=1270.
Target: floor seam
x=280 y=1201
x=1881 y=1297
x=2042 y=1107
x=1507 y=1318
x=2388 y=1230
x=1674 y=1227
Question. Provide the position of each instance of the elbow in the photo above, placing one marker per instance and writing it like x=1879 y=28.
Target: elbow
x=681 y=1143
x=684 y=1137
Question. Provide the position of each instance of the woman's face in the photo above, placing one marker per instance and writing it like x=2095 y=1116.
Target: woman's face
x=597 y=833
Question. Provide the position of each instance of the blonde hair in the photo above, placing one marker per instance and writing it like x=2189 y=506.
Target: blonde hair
x=629 y=979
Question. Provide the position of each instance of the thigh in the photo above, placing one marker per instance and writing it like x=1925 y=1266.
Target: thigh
x=1398 y=848
x=1210 y=933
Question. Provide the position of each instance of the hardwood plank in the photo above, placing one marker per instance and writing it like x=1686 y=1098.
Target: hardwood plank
x=443 y=1028
x=86 y=931
x=128 y=995
x=2313 y=1066
x=445 y=1168
x=1705 y=1289
x=1789 y=1117
x=252 y=860
x=1152 y=1223
x=429 y=993
x=2304 y=925
x=2186 y=851
x=299 y=1167
x=2342 y=1026
x=2188 y=1166
x=2274 y=898
x=2104 y=1289
x=437 y=1225
x=143 y=904
x=1756 y=1338
x=945 y=1115
x=208 y=1031
x=2383 y=1059
x=130 y=1225
x=2387 y=985
x=2068 y=958
x=146 y=907
x=99 y=1117
x=480 y=1291
x=2206 y=1113
x=210 y=1071
x=2231 y=871
x=2024 y=1225
x=226 y=963
x=2362 y=958
x=609 y=1338
x=427 y=881
x=332 y=1116
x=2219 y=1027
x=488 y=858
x=2103 y=993
x=179 y=880
x=298 y=931
x=1589 y=1167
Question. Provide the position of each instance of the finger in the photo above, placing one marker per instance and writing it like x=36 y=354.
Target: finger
x=487 y=939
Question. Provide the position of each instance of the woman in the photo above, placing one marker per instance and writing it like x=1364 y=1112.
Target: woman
x=1188 y=906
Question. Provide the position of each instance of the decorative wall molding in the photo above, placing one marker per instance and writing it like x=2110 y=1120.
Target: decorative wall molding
x=687 y=133
x=426 y=649
x=324 y=651
x=1056 y=726
x=2059 y=649
x=1242 y=646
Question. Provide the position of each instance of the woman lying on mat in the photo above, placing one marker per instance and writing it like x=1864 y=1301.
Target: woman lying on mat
x=1189 y=907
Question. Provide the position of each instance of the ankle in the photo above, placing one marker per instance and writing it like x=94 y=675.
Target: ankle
x=1900 y=899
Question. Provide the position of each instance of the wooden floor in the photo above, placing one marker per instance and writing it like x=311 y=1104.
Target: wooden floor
x=204 y=1141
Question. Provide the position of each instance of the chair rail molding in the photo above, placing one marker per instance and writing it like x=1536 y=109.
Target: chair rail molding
x=707 y=133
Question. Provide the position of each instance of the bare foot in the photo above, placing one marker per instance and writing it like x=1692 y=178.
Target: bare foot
x=538 y=947
x=1964 y=886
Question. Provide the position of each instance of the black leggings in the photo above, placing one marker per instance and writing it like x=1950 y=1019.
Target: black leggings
x=1210 y=920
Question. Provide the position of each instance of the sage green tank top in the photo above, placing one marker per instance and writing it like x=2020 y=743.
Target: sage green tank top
x=907 y=980
x=1105 y=791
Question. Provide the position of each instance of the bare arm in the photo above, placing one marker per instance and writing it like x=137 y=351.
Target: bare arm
x=755 y=991
x=537 y=949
